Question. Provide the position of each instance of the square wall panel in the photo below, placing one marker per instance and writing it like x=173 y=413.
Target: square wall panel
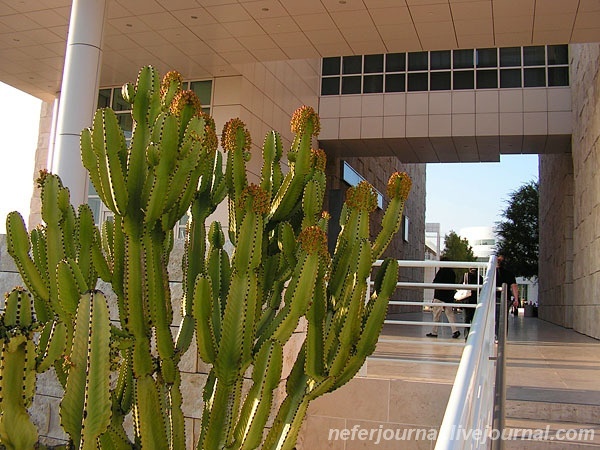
x=463 y=102
x=463 y=124
x=417 y=103
x=227 y=91
x=535 y=100
x=440 y=125
x=330 y=128
x=350 y=128
x=511 y=100
x=560 y=122
x=535 y=123
x=559 y=99
x=486 y=102
x=394 y=126
x=440 y=103
x=350 y=106
x=511 y=123
x=372 y=105
x=371 y=127
x=329 y=107
x=394 y=104
x=417 y=126
x=487 y=124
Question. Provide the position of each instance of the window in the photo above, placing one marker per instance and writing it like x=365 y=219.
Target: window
x=351 y=64
x=352 y=177
x=487 y=57
x=483 y=68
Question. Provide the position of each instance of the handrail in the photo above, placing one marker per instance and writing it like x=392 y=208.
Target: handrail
x=471 y=403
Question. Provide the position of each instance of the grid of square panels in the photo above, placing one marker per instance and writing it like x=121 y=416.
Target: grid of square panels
x=484 y=68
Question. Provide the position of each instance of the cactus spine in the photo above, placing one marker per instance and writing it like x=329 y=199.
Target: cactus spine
x=242 y=307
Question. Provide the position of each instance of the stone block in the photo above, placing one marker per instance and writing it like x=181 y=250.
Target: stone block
x=428 y=411
x=192 y=386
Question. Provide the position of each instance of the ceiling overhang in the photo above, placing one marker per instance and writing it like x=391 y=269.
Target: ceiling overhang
x=209 y=38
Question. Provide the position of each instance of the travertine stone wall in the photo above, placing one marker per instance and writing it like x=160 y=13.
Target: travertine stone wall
x=556 y=239
x=372 y=407
x=585 y=85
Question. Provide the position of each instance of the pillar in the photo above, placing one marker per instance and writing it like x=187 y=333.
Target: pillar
x=79 y=93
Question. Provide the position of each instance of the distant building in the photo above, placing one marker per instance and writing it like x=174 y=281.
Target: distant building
x=481 y=239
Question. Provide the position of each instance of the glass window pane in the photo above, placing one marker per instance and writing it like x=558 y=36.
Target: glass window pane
x=487 y=79
x=395 y=82
x=373 y=64
x=203 y=90
x=331 y=66
x=104 y=98
x=118 y=104
x=439 y=59
x=417 y=61
x=534 y=56
x=464 y=79
x=510 y=78
x=510 y=56
x=91 y=191
x=462 y=59
x=351 y=64
x=417 y=82
x=487 y=57
x=558 y=54
x=351 y=85
x=330 y=86
x=535 y=77
x=372 y=84
x=94 y=204
x=558 y=76
x=440 y=81
x=126 y=123
x=395 y=62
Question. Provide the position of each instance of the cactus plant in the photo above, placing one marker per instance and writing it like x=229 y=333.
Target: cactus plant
x=243 y=307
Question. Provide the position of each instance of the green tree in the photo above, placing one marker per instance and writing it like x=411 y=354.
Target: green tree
x=518 y=233
x=457 y=248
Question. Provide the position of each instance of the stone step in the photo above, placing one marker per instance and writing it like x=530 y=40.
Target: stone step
x=553 y=405
x=531 y=434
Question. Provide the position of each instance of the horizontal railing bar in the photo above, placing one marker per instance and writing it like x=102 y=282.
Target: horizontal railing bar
x=454 y=264
x=424 y=341
x=412 y=322
x=459 y=305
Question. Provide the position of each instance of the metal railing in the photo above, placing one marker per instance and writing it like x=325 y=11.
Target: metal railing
x=471 y=403
x=470 y=407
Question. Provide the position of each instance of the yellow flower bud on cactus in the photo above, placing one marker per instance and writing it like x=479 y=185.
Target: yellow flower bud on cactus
x=399 y=185
x=229 y=135
x=183 y=99
x=257 y=197
x=362 y=196
x=172 y=77
x=301 y=117
x=313 y=240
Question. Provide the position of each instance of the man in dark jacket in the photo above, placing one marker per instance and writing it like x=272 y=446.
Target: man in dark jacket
x=444 y=275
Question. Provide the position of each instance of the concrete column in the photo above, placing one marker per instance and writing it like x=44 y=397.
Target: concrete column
x=79 y=93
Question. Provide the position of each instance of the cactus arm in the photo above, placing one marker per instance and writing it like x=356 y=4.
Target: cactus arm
x=85 y=237
x=18 y=246
x=203 y=315
x=149 y=414
x=55 y=345
x=17 y=372
x=398 y=188
x=257 y=406
x=85 y=409
x=315 y=333
x=159 y=301
x=71 y=284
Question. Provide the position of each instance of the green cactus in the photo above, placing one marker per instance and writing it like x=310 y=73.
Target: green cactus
x=242 y=307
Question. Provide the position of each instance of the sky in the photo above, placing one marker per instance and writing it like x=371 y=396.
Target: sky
x=19 y=124
x=475 y=194
x=458 y=195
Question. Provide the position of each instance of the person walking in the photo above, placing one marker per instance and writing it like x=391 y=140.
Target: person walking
x=471 y=277
x=445 y=275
